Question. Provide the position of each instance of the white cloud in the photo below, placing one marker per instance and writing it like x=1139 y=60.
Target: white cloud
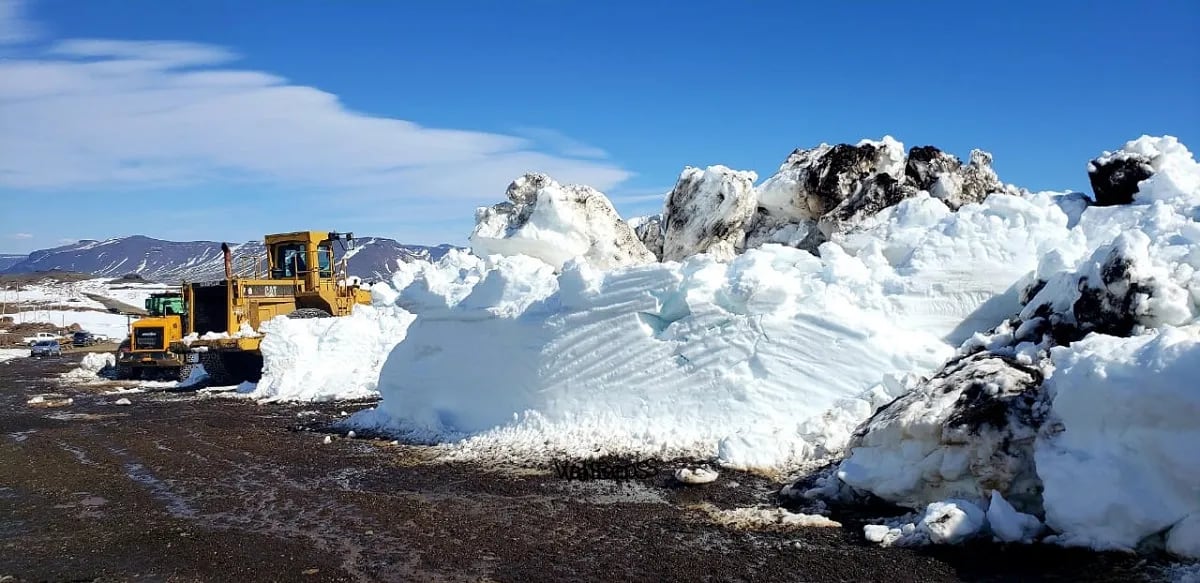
x=87 y=114
x=21 y=236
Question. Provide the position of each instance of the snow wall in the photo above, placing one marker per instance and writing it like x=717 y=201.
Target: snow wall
x=765 y=361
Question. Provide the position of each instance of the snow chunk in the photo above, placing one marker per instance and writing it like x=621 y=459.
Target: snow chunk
x=122 y=401
x=557 y=223
x=1182 y=573
x=967 y=431
x=89 y=368
x=952 y=521
x=650 y=231
x=707 y=212
x=1009 y=525
x=696 y=475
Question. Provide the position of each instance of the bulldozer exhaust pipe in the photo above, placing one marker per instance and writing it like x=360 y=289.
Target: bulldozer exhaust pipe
x=228 y=261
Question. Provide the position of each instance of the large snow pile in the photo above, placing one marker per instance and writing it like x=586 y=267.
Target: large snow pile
x=321 y=359
x=1083 y=406
x=556 y=223
x=765 y=361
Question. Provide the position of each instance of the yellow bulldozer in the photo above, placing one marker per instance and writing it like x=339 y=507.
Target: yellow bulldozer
x=299 y=277
x=145 y=354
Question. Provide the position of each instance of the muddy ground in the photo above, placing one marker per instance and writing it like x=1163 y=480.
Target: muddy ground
x=193 y=487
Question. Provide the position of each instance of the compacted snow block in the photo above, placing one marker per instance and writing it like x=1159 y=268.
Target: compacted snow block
x=1009 y=525
x=829 y=186
x=557 y=223
x=707 y=212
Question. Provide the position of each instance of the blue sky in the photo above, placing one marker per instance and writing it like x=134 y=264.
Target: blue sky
x=226 y=119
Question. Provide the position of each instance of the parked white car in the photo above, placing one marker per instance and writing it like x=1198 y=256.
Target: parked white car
x=31 y=340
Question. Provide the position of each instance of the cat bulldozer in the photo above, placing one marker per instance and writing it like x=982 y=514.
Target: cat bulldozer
x=299 y=277
x=145 y=355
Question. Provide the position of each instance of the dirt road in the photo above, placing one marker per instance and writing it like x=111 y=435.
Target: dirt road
x=180 y=487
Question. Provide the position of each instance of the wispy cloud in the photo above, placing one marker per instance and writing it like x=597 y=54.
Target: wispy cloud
x=87 y=114
x=561 y=143
x=636 y=198
x=21 y=236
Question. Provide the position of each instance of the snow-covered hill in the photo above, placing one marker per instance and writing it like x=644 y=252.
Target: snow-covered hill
x=69 y=301
x=7 y=261
x=173 y=261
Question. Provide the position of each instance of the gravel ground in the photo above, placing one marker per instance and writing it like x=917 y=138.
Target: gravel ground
x=192 y=487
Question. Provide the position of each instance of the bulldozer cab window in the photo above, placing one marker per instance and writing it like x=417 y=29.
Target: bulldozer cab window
x=289 y=260
x=325 y=260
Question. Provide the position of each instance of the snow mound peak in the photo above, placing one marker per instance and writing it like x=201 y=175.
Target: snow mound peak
x=707 y=212
x=822 y=192
x=557 y=223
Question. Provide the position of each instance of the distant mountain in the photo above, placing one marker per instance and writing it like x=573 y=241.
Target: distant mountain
x=372 y=258
x=7 y=261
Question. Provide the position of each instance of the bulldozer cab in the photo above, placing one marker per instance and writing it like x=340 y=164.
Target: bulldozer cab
x=165 y=304
x=306 y=256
